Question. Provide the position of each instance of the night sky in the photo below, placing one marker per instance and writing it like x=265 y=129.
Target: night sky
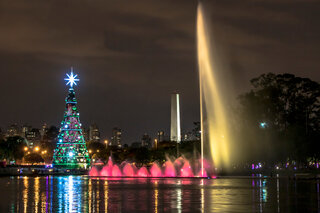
x=131 y=55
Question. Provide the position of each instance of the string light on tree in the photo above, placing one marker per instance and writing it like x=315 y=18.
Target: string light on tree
x=71 y=150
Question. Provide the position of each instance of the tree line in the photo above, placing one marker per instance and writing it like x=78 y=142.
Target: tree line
x=279 y=119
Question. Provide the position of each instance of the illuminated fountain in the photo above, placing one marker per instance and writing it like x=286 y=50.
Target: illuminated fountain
x=180 y=168
x=214 y=128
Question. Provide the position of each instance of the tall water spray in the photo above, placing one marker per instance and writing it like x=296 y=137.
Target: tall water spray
x=214 y=126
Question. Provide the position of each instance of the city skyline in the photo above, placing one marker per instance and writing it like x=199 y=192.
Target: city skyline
x=126 y=80
x=91 y=134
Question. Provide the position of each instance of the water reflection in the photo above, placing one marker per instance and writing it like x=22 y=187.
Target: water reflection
x=278 y=194
x=106 y=197
x=36 y=194
x=90 y=194
x=83 y=194
x=179 y=196
x=318 y=195
x=25 y=194
x=156 y=194
x=263 y=193
x=202 y=196
x=69 y=192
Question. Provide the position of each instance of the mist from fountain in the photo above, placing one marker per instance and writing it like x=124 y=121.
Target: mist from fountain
x=116 y=172
x=143 y=172
x=186 y=170
x=94 y=172
x=155 y=170
x=214 y=125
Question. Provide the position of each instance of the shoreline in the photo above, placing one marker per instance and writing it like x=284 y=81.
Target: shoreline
x=34 y=171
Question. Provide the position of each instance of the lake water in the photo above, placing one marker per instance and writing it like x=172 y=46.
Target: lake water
x=85 y=194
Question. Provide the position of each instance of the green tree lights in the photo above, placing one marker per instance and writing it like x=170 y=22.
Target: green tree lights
x=71 y=150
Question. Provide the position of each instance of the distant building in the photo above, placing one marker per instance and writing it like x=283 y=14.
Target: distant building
x=94 y=133
x=33 y=137
x=13 y=130
x=43 y=131
x=146 y=141
x=175 y=133
x=185 y=137
x=25 y=129
x=160 y=136
x=116 y=137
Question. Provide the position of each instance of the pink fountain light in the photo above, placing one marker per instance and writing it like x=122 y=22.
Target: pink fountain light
x=186 y=170
x=203 y=174
x=170 y=171
x=180 y=168
x=143 y=172
x=155 y=170
x=116 y=172
x=105 y=171
x=128 y=170
x=94 y=172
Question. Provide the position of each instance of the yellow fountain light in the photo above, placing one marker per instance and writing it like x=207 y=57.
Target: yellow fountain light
x=214 y=128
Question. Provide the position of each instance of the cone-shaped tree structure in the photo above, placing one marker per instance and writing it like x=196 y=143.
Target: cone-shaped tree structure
x=71 y=150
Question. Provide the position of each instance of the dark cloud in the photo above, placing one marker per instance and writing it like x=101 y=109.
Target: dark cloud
x=131 y=55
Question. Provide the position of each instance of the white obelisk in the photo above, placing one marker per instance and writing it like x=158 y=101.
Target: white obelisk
x=175 y=134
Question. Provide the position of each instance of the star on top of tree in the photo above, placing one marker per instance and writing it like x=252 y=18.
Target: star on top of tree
x=72 y=79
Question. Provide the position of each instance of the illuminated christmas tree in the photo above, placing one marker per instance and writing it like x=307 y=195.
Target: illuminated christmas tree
x=71 y=150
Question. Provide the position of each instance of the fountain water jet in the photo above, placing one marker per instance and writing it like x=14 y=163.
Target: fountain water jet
x=116 y=172
x=186 y=170
x=94 y=172
x=155 y=170
x=170 y=170
x=143 y=172
x=128 y=170
x=214 y=130
x=181 y=168
x=105 y=172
